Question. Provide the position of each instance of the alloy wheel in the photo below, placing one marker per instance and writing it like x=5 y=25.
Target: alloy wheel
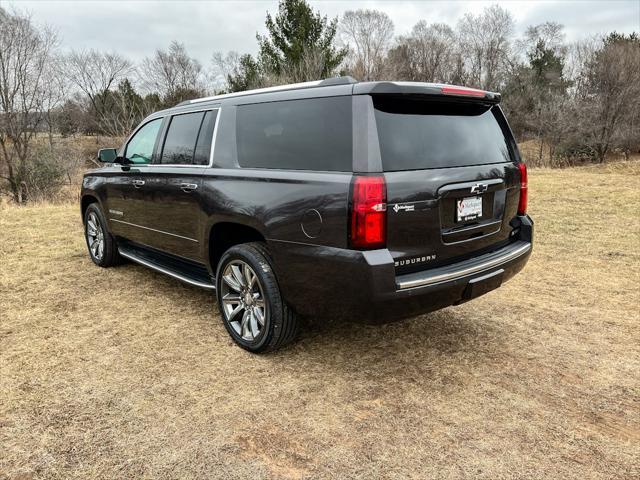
x=243 y=300
x=95 y=236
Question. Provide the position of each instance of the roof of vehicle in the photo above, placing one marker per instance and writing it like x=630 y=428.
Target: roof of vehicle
x=355 y=87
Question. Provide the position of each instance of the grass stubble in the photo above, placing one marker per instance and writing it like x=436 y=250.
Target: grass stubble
x=126 y=373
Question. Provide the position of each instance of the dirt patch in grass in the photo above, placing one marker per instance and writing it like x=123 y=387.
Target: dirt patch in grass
x=127 y=373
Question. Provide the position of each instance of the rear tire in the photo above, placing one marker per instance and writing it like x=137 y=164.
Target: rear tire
x=252 y=308
x=102 y=246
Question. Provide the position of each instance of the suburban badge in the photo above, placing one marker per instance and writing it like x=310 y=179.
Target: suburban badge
x=414 y=260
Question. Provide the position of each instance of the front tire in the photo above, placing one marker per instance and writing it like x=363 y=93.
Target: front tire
x=103 y=249
x=252 y=308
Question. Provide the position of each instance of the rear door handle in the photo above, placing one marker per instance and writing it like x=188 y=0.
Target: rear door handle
x=138 y=183
x=188 y=187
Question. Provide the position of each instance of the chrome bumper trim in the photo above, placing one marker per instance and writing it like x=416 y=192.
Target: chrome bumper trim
x=462 y=269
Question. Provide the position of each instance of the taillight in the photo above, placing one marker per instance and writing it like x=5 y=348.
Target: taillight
x=522 y=204
x=369 y=212
x=468 y=92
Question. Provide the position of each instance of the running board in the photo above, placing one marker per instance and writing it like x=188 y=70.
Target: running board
x=167 y=266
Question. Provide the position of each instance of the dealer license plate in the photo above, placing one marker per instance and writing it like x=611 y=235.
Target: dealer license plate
x=469 y=208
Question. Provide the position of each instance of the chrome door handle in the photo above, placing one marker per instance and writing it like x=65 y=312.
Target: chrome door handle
x=188 y=187
x=138 y=183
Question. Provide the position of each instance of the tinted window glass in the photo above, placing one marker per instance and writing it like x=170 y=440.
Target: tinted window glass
x=310 y=134
x=416 y=134
x=203 y=147
x=180 y=142
x=140 y=147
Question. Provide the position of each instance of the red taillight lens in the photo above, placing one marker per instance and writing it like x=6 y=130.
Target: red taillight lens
x=369 y=212
x=524 y=193
x=469 y=92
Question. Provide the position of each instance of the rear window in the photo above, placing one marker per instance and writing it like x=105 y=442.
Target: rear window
x=309 y=134
x=421 y=134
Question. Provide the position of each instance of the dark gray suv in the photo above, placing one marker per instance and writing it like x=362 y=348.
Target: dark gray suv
x=378 y=200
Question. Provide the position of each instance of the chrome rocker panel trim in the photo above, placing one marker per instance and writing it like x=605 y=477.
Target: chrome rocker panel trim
x=134 y=258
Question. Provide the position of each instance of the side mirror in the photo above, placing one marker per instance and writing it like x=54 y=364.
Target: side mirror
x=107 y=155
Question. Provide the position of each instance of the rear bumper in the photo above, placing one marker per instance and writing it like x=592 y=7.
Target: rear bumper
x=478 y=265
x=320 y=281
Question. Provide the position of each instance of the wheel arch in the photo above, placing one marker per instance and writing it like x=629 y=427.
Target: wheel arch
x=226 y=234
x=86 y=200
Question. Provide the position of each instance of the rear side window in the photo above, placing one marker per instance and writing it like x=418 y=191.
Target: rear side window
x=309 y=134
x=188 y=139
x=420 y=134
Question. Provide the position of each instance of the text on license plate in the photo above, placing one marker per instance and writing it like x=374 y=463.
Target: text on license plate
x=469 y=208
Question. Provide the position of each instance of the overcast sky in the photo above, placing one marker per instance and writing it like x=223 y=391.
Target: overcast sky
x=136 y=28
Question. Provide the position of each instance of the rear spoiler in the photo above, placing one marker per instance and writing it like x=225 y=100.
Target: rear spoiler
x=431 y=89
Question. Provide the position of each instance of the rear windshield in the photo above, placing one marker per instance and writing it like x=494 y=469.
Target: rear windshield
x=421 y=134
x=309 y=134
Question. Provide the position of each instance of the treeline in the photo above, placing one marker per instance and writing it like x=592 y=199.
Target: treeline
x=579 y=101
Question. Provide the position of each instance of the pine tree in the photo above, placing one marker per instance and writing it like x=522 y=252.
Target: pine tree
x=546 y=68
x=294 y=34
x=245 y=76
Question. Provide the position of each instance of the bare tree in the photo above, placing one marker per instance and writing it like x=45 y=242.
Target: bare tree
x=609 y=95
x=579 y=54
x=95 y=73
x=433 y=53
x=550 y=33
x=486 y=42
x=368 y=34
x=399 y=64
x=223 y=67
x=312 y=64
x=55 y=95
x=173 y=74
x=26 y=52
x=124 y=109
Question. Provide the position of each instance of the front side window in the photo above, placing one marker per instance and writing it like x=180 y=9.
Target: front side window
x=180 y=142
x=140 y=147
x=309 y=134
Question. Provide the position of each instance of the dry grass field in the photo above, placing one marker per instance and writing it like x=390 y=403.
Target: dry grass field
x=125 y=373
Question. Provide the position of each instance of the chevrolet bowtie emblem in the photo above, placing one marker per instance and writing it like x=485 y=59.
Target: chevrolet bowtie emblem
x=479 y=188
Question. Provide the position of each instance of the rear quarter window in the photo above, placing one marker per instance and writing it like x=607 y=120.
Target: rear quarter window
x=309 y=134
x=422 y=134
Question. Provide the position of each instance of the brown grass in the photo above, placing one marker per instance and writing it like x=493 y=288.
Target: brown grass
x=126 y=373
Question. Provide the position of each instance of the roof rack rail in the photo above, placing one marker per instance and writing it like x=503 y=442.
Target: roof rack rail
x=344 y=80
